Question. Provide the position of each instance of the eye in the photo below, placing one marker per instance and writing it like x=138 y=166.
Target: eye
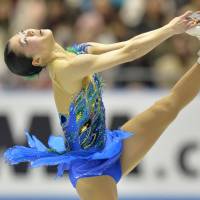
x=24 y=41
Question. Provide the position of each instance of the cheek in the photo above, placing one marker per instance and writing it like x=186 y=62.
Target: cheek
x=34 y=46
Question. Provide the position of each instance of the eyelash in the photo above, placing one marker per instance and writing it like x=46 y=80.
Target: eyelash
x=25 y=41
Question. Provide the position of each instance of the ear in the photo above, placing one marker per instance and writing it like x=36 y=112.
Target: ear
x=36 y=61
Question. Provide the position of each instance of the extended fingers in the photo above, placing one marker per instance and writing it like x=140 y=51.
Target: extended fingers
x=193 y=16
x=186 y=14
x=191 y=24
x=189 y=19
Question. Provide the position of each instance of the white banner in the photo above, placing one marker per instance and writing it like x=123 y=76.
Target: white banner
x=172 y=166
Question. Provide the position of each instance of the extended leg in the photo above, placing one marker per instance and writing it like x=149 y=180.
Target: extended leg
x=150 y=124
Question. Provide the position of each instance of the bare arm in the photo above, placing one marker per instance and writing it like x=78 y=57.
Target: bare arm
x=99 y=48
x=86 y=64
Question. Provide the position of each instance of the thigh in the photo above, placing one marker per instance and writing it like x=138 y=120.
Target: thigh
x=97 y=188
x=147 y=127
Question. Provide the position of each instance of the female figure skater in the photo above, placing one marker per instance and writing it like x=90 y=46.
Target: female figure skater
x=95 y=157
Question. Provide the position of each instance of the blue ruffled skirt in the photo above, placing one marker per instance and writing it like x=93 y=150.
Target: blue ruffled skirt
x=80 y=163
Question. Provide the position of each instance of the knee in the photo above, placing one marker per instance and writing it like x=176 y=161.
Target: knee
x=167 y=107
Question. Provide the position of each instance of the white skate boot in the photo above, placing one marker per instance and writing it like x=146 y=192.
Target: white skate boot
x=195 y=31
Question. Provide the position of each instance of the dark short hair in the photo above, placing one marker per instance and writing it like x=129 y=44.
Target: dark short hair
x=20 y=64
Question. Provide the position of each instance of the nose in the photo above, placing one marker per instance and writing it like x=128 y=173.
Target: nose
x=30 y=33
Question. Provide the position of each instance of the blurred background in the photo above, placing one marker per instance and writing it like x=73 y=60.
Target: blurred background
x=171 y=170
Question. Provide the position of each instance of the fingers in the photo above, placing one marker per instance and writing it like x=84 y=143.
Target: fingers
x=189 y=20
x=191 y=15
x=186 y=14
x=191 y=24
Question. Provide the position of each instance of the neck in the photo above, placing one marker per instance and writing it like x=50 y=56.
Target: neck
x=58 y=52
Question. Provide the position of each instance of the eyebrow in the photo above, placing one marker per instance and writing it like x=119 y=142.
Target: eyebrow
x=21 y=33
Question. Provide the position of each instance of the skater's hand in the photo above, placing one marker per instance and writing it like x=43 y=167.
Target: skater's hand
x=195 y=31
x=182 y=23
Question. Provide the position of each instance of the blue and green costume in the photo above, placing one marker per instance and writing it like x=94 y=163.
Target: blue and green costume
x=88 y=148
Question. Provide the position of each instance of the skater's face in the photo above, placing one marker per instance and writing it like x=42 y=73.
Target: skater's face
x=33 y=43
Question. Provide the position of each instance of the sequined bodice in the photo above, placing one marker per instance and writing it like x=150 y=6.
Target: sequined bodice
x=84 y=125
x=88 y=148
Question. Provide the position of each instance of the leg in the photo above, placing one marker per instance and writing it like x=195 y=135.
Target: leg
x=97 y=188
x=150 y=124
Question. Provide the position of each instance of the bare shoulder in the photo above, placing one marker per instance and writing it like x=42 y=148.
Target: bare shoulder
x=66 y=84
x=57 y=65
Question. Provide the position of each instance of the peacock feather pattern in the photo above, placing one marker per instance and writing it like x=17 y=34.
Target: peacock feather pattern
x=85 y=134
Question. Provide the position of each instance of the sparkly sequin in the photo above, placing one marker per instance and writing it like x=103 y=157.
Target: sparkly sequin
x=88 y=148
x=84 y=126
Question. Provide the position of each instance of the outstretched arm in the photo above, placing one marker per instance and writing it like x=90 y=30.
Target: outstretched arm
x=86 y=64
x=176 y=24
